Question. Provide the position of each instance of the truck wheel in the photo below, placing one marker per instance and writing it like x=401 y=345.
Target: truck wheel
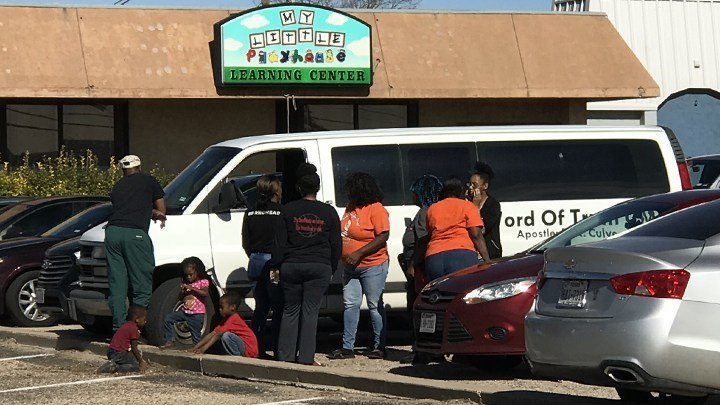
x=164 y=300
x=20 y=302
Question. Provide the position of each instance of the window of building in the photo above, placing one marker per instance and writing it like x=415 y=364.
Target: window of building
x=32 y=129
x=43 y=129
x=311 y=116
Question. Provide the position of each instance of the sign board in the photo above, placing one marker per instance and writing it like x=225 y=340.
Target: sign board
x=296 y=44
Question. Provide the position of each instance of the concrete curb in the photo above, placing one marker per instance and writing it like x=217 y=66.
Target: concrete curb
x=244 y=368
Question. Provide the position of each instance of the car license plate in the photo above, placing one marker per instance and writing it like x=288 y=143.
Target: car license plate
x=40 y=295
x=427 y=322
x=573 y=295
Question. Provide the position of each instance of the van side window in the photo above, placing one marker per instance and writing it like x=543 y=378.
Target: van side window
x=443 y=160
x=282 y=163
x=381 y=162
x=569 y=170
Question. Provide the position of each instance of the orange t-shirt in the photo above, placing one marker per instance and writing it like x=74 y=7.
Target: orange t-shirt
x=448 y=221
x=360 y=226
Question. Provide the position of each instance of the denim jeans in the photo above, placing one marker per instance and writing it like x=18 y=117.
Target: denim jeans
x=256 y=265
x=449 y=261
x=124 y=361
x=369 y=281
x=194 y=323
x=268 y=295
x=232 y=344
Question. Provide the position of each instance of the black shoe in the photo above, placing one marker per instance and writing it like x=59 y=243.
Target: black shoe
x=408 y=359
x=108 y=368
x=340 y=354
x=375 y=354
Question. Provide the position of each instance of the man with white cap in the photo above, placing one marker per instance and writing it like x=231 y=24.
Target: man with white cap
x=136 y=199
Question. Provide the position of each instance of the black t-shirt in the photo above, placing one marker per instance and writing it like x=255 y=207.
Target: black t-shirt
x=260 y=226
x=133 y=200
x=491 y=215
x=311 y=234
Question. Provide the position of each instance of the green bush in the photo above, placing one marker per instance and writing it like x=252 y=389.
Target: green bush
x=66 y=174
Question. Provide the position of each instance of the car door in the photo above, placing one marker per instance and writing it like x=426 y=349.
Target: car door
x=282 y=159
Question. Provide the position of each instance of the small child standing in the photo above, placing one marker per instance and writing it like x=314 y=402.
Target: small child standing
x=233 y=333
x=123 y=354
x=193 y=292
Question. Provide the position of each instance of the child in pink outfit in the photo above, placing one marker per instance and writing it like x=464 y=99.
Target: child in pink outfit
x=193 y=292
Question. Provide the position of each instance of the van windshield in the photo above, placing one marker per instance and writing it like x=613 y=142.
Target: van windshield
x=183 y=189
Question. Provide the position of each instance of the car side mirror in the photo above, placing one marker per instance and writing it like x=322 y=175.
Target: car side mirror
x=230 y=197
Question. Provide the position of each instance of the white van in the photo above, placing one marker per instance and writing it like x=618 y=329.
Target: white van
x=547 y=178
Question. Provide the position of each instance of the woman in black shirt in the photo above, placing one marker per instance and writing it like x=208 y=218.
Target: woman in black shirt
x=258 y=238
x=489 y=207
x=307 y=253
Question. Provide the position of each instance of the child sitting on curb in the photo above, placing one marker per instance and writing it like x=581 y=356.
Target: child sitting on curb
x=235 y=336
x=123 y=354
x=194 y=289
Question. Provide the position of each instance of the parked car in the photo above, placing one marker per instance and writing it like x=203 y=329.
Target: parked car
x=59 y=271
x=638 y=313
x=6 y=202
x=35 y=216
x=704 y=171
x=21 y=262
x=481 y=310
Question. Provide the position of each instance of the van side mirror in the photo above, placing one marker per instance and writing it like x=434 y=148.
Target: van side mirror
x=230 y=197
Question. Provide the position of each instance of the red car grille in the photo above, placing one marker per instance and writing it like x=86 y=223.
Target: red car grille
x=456 y=332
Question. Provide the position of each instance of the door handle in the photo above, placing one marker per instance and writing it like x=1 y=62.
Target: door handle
x=329 y=202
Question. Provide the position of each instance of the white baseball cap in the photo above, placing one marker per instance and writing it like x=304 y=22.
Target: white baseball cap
x=129 y=161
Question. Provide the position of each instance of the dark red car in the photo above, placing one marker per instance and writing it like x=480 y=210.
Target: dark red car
x=481 y=310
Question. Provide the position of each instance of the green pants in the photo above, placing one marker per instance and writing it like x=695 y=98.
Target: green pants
x=130 y=259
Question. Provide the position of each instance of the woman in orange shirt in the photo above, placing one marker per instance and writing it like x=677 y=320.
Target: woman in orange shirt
x=455 y=228
x=365 y=228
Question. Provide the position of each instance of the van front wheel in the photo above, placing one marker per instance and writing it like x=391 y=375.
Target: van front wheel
x=166 y=299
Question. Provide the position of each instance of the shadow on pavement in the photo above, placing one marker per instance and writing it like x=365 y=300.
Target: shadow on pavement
x=540 y=398
x=454 y=371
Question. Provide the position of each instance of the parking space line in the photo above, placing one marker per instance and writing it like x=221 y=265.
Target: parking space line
x=32 y=356
x=292 y=401
x=94 y=381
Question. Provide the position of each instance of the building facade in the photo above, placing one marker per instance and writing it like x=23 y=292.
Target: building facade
x=147 y=81
x=678 y=41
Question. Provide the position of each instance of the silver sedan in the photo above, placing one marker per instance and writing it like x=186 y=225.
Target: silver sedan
x=640 y=313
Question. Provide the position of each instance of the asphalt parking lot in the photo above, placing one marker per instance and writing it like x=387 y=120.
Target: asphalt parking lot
x=33 y=375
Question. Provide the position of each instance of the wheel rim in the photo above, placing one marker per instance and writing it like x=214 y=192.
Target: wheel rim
x=182 y=329
x=28 y=303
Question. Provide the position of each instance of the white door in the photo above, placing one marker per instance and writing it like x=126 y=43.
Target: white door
x=281 y=158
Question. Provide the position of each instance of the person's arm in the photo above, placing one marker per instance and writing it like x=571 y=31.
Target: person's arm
x=479 y=241
x=278 y=250
x=205 y=343
x=492 y=215
x=335 y=240
x=380 y=219
x=376 y=244
x=138 y=356
x=246 y=235
x=158 y=213
x=203 y=292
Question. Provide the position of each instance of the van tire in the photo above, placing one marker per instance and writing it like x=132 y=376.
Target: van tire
x=164 y=300
x=23 y=288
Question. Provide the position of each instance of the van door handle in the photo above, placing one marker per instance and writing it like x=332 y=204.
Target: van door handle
x=329 y=202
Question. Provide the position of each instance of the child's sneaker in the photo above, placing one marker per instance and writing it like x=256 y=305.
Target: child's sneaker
x=108 y=368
